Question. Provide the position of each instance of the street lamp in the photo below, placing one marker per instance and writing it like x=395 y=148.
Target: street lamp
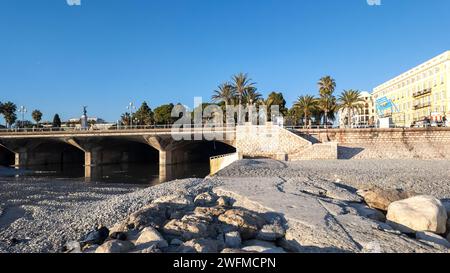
x=22 y=110
x=131 y=107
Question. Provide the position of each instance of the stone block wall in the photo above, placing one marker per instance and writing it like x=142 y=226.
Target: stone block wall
x=268 y=141
x=323 y=151
x=419 y=143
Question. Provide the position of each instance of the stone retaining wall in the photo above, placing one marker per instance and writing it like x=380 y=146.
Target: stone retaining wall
x=323 y=151
x=268 y=141
x=420 y=143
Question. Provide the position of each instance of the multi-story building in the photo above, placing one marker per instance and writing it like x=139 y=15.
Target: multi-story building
x=360 y=118
x=418 y=94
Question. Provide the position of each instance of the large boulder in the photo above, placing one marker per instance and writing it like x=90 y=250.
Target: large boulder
x=419 y=213
x=209 y=211
x=379 y=198
x=95 y=237
x=150 y=235
x=154 y=215
x=115 y=246
x=248 y=223
x=186 y=228
x=205 y=199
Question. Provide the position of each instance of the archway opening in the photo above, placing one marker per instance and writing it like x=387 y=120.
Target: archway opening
x=125 y=160
x=202 y=151
x=7 y=157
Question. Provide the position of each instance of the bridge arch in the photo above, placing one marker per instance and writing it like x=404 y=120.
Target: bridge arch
x=7 y=157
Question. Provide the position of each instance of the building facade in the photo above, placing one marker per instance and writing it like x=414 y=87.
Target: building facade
x=360 y=118
x=416 y=95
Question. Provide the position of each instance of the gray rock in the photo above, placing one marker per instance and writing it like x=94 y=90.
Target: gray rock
x=247 y=222
x=223 y=201
x=151 y=215
x=115 y=246
x=187 y=229
x=370 y=213
x=151 y=235
x=205 y=199
x=209 y=211
x=72 y=247
x=271 y=232
x=199 y=246
x=97 y=236
x=233 y=239
x=433 y=238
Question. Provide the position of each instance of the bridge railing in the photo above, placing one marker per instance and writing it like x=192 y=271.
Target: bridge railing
x=114 y=128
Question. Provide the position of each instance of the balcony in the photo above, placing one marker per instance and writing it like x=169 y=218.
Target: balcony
x=422 y=92
x=421 y=105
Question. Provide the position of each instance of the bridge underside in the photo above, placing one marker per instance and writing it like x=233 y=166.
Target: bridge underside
x=98 y=151
x=6 y=157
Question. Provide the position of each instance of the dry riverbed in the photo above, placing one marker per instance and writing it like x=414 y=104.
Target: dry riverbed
x=312 y=205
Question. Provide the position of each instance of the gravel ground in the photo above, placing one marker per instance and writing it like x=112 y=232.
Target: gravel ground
x=39 y=216
x=422 y=176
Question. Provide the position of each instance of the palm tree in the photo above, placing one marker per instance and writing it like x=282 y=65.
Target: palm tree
x=37 y=116
x=275 y=98
x=327 y=85
x=225 y=93
x=350 y=100
x=306 y=104
x=125 y=119
x=241 y=83
x=8 y=110
x=327 y=106
x=251 y=96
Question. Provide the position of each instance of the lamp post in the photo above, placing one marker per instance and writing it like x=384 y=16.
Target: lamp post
x=131 y=107
x=22 y=110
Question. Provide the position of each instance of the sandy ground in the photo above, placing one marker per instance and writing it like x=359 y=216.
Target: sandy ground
x=39 y=216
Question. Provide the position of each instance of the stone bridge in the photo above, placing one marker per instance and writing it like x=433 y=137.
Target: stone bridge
x=100 y=147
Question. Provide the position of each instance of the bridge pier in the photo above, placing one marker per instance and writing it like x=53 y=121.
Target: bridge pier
x=21 y=158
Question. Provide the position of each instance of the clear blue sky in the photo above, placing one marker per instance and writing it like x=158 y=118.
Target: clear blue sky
x=104 y=53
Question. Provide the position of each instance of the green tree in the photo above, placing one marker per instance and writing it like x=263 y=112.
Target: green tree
x=162 y=114
x=56 y=121
x=275 y=98
x=327 y=102
x=241 y=83
x=327 y=107
x=125 y=119
x=144 y=115
x=307 y=105
x=37 y=116
x=293 y=116
x=251 y=96
x=350 y=100
x=225 y=93
x=8 y=110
